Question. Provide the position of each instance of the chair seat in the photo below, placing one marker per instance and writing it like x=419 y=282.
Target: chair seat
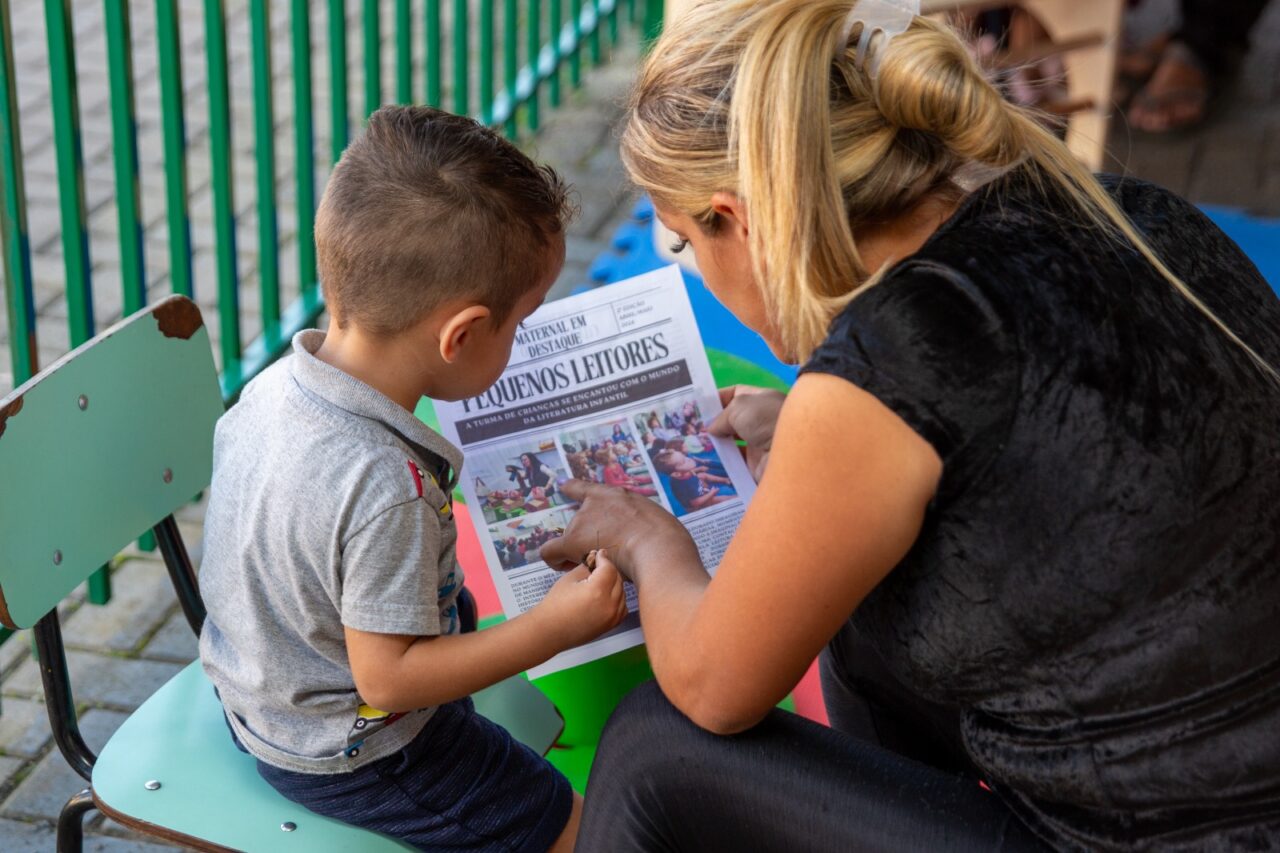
x=211 y=792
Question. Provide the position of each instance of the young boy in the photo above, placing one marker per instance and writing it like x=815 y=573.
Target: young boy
x=329 y=574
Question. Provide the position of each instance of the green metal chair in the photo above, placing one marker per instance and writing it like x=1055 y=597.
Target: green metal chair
x=99 y=448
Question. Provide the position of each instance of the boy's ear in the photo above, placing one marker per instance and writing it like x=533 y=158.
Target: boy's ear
x=459 y=328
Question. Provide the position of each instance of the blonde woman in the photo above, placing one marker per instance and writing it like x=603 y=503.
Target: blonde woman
x=1049 y=594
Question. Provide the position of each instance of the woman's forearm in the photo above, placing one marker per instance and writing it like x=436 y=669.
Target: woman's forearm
x=696 y=669
x=671 y=581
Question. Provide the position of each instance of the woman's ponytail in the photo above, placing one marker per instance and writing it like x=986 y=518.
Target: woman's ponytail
x=780 y=136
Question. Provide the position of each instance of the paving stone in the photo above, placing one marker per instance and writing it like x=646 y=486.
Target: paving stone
x=20 y=837
x=100 y=679
x=601 y=185
x=583 y=250
x=192 y=513
x=601 y=203
x=47 y=288
x=52 y=331
x=9 y=765
x=24 y=727
x=50 y=354
x=44 y=223
x=573 y=276
x=1270 y=202
x=108 y=295
x=1229 y=168
x=14 y=650
x=43 y=793
x=141 y=597
x=175 y=641
x=570 y=138
x=107 y=831
x=1171 y=163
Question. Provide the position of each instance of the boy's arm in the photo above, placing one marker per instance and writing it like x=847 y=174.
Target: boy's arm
x=398 y=673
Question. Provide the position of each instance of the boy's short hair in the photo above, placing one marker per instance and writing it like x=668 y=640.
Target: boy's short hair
x=426 y=206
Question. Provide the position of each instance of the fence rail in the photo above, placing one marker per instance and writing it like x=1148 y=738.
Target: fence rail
x=505 y=78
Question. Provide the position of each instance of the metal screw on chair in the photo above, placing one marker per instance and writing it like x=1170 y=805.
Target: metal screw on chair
x=57 y=557
x=151 y=785
x=288 y=826
x=168 y=475
x=82 y=402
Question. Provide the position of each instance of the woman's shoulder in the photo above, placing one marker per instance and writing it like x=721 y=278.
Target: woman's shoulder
x=1030 y=223
x=1032 y=252
x=936 y=299
x=1012 y=252
x=930 y=345
x=1031 y=248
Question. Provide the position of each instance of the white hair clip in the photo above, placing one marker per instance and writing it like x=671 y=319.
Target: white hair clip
x=973 y=176
x=890 y=17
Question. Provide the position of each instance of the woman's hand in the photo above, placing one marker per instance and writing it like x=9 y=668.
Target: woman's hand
x=751 y=415
x=637 y=532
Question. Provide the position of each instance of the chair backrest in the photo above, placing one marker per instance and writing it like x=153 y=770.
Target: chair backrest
x=99 y=448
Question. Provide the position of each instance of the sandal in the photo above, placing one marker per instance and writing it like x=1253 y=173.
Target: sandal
x=1135 y=67
x=1176 y=97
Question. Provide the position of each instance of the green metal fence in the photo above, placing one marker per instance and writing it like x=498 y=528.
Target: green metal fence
x=505 y=66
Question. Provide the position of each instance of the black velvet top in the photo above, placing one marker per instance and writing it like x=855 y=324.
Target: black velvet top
x=1097 y=582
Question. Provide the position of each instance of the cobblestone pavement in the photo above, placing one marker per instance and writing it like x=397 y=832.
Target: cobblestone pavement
x=121 y=652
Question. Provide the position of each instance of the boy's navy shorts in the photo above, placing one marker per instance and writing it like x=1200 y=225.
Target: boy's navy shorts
x=463 y=783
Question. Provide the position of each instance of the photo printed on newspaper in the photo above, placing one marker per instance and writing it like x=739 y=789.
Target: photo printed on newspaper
x=610 y=386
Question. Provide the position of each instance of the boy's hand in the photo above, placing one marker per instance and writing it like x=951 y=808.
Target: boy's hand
x=583 y=604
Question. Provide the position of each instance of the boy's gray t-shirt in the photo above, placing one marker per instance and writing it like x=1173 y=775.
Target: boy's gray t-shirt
x=329 y=507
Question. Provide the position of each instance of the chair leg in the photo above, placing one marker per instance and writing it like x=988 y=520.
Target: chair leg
x=71 y=822
x=183 y=575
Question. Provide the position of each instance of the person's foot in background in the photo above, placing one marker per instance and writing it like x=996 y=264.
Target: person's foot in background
x=1134 y=67
x=1201 y=56
x=1177 y=95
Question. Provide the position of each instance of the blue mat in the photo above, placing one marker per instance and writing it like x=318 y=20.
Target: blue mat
x=633 y=254
x=1259 y=238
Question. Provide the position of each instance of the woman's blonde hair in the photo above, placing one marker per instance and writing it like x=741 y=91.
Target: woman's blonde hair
x=757 y=98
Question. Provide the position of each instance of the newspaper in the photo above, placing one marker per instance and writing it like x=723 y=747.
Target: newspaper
x=610 y=386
